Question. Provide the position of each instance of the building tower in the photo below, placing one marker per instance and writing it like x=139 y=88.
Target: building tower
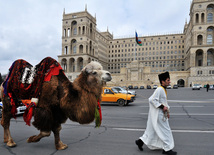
x=79 y=43
x=199 y=43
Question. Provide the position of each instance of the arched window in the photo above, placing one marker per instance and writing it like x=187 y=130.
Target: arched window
x=81 y=49
x=79 y=64
x=64 y=33
x=72 y=65
x=210 y=12
x=75 y=31
x=64 y=64
x=73 y=46
x=74 y=28
x=200 y=40
x=75 y=49
x=199 y=58
x=209 y=39
x=209 y=18
x=210 y=57
x=202 y=17
x=83 y=30
x=210 y=34
x=196 y=18
x=66 y=50
x=69 y=32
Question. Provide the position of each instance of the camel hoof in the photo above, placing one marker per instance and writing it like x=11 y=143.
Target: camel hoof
x=61 y=146
x=11 y=144
x=32 y=139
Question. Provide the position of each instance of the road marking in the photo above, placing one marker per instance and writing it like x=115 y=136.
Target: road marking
x=178 y=131
x=188 y=101
x=179 y=106
x=181 y=114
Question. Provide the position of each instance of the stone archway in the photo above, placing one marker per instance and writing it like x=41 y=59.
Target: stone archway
x=199 y=58
x=181 y=83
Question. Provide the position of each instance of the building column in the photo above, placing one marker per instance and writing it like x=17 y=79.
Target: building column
x=192 y=59
x=204 y=58
x=75 y=64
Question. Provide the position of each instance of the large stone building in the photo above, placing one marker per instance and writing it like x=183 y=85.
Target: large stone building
x=188 y=56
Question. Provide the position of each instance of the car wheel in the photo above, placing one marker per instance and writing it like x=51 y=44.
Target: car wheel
x=121 y=102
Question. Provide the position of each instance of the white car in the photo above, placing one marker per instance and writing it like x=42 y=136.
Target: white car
x=20 y=109
x=155 y=86
x=124 y=91
x=169 y=87
x=196 y=87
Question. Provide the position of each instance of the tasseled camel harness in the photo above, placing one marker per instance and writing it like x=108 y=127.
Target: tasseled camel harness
x=24 y=82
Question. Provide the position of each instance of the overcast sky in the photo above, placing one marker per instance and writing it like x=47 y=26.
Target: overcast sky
x=32 y=29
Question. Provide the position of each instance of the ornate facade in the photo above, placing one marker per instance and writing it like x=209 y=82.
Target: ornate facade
x=189 y=56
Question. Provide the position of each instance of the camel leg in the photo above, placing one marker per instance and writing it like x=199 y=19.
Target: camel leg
x=5 y=122
x=58 y=143
x=37 y=138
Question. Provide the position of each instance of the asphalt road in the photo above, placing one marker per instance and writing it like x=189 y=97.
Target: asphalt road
x=191 y=120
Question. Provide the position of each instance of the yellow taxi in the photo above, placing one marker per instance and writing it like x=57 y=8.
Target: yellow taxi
x=112 y=95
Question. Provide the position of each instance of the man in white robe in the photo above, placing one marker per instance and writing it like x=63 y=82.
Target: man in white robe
x=158 y=134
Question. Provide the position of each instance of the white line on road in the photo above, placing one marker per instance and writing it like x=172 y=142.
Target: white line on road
x=178 y=131
x=188 y=101
x=181 y=114
x=179 y=106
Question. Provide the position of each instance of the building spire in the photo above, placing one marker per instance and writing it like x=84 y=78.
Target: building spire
x=85 y=7
x=64 y=11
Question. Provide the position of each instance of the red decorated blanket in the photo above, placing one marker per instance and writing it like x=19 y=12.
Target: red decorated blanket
x=25 y=81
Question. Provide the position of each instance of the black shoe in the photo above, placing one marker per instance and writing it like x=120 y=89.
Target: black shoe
x=170 y=152
x=139 y=143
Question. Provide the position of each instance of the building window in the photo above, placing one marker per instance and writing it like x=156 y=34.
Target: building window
x=209 y=39
x=75 y=31
x=74 y=49
x=209 y=18
x=200 y=72
x=66 y=50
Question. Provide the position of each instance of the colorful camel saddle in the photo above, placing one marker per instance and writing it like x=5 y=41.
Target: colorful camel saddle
x=25 y=81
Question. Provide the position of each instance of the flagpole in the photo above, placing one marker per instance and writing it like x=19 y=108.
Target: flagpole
x=135 y=48
x=135 y=51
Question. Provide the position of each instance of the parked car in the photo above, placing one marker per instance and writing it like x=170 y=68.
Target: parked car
x=141 y=87
x=130 y=87
x=211 y=87
x=175 y=86
x=135 y=87
x=169 y=87
x=148 y=87
x=112 y=95
x=125 y=91
x=20 y=109
x=196 y=87
x=155 y=86
x=124 y=87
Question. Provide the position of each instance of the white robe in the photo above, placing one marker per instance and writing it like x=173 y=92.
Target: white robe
x=158 y=134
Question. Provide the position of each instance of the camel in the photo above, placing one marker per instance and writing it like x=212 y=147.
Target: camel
x=59 y=100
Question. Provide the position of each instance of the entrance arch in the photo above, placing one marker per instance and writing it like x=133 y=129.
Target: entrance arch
x=181 y=83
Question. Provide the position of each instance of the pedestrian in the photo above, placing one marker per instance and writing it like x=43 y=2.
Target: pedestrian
x=208 y=86
x=158 y=134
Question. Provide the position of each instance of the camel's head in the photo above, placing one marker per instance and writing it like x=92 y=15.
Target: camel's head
x=95 y=72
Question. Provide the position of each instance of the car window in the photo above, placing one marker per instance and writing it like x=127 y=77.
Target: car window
x=114 y=90
x=118 y=89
